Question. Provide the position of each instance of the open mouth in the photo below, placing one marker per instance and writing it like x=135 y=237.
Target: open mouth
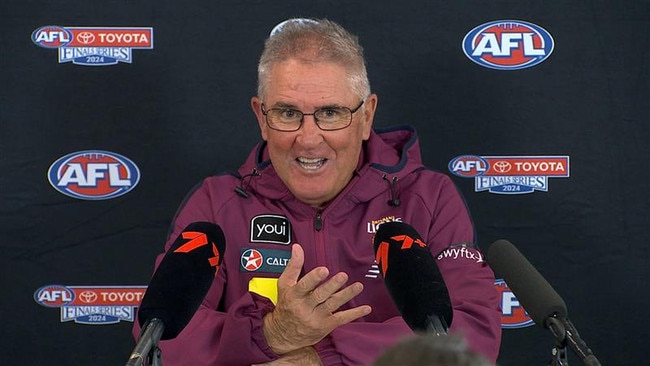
x=311 y=164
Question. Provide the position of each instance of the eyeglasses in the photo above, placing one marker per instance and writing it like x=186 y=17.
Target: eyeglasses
x=327 y=119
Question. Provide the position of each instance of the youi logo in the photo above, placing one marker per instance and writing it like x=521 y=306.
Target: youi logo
x=508 y=44
x=93 y=175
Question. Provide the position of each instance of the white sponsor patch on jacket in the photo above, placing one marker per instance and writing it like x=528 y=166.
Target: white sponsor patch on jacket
x=461 y=252
x=270 y=229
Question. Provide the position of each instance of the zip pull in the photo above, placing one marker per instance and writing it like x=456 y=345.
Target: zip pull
x=318 y=222
x=393 y=201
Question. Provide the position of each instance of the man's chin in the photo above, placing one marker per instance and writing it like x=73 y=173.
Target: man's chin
x=312 y=197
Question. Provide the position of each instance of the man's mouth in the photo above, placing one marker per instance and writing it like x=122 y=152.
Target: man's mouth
x=310 y=164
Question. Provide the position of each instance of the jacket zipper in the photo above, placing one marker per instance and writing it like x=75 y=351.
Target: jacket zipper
x=319 y=239
x=318 y=221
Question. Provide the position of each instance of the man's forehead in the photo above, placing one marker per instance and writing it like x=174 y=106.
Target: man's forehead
x=297 y=71
x=294 y=82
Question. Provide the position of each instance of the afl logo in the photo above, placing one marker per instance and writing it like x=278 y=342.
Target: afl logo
x=54 y=296
x=508 y=45
x=513 y=314
x=93 y=175
x=251 y=260
x=51 y=36
x=468 y=166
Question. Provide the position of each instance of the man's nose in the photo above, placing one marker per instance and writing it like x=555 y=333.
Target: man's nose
x=310 y=133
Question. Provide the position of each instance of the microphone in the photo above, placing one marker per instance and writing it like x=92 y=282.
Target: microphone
x=178 y=286
x=541 y=301
x=412 y=278
x=535 y=294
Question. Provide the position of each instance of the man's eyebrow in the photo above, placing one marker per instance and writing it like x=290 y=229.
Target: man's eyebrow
x=329 y=106
x=293 y=106
x=284 y=105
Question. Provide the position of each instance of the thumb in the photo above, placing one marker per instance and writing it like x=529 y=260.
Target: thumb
x=291 y=273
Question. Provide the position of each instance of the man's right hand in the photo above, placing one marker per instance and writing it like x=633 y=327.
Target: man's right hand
x=306 y=310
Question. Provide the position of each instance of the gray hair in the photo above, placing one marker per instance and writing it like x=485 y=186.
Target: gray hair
x=430 y=350
x=314 y=40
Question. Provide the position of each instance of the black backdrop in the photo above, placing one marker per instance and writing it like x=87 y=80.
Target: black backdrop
x=180 y=111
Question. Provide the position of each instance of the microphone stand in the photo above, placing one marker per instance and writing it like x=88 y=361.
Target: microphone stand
x=436 y=325
x=155 y=356
x=566 y=334
x=148 y=345
x=559 y=350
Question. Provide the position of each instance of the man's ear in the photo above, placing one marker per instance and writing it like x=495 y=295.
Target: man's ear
x=256 y=105
x=369 y=108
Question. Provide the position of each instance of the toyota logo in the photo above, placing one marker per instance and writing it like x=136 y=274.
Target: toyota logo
x=88 y=297
x=502 y=166
x=85 y=38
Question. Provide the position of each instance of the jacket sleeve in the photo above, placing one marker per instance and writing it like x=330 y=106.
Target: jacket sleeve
x=361 y=343
x=475 y=302
x=215 y=336
x=469 y=280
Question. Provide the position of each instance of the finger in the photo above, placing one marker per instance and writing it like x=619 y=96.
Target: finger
x=339 y=318
x=291 y=272
x=346 y=316
x=329 y=288
x=337 y=299
x=310 y=281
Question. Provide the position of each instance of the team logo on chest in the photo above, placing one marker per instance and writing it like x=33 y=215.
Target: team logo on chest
x=274 y=229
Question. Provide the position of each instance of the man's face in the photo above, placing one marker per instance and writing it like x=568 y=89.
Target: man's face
x=314 y=164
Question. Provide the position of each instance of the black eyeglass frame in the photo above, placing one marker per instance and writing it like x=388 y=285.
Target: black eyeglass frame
x=302 y=118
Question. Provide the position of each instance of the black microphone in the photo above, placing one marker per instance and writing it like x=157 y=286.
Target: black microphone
x=178 y=286
x=412 y=278
x=539 y=299
x=533 y=292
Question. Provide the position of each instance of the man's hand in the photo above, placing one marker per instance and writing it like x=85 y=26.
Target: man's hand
x=306 y=308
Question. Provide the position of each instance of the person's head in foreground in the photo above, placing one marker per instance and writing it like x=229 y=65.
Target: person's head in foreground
x=431 y=350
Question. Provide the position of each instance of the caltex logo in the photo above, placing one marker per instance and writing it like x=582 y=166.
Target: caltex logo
x=251 y=260
x=262 y=260
x=508 y=45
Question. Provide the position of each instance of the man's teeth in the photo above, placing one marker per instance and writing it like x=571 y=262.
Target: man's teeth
x=311 y=164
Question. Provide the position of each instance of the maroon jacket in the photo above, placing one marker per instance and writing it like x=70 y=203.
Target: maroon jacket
x=264 y=218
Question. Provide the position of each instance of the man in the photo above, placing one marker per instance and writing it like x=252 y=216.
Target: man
x=298 y=284
x=431 y=350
